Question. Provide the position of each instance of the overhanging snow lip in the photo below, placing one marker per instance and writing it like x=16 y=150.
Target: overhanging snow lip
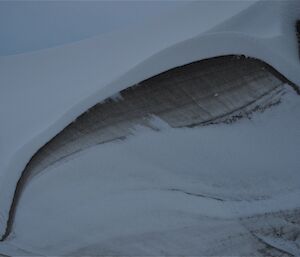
x=19 y=186
x=35 y=143
x=202 y=47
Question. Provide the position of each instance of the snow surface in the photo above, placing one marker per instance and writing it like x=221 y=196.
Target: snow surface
x=34 y=25
x=43 y=91
x=148 y=195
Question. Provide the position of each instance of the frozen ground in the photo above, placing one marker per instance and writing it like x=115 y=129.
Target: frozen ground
x=224 y=189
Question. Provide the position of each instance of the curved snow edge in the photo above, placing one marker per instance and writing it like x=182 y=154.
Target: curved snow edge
x=149 y=65
x=205 y=46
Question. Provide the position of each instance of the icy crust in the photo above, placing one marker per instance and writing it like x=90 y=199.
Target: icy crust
x=43 y=91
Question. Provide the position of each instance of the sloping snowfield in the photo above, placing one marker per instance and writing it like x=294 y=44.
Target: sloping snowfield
x=223 y=189
x=179 y=136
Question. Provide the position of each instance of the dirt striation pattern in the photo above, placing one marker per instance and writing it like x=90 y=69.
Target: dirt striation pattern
x=221 y=89
x=203 y=92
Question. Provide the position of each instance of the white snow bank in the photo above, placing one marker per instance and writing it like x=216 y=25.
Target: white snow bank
x=43 y=91
x=166 y=182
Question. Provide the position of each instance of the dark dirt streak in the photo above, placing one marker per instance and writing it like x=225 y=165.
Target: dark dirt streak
x=197 y=195
x=298 y=35
x=270 y=246
x=227 y=116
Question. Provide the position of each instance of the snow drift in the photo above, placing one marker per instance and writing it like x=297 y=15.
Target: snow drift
x=44 y=91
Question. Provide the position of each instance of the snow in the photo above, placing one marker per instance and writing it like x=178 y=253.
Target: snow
x=164 y=185
x=34 y=25
x=43 y=91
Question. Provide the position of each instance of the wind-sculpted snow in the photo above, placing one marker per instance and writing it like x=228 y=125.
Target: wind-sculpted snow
x=201 y=93
x=195 y=94
x=45 y=91
x=223 y=189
